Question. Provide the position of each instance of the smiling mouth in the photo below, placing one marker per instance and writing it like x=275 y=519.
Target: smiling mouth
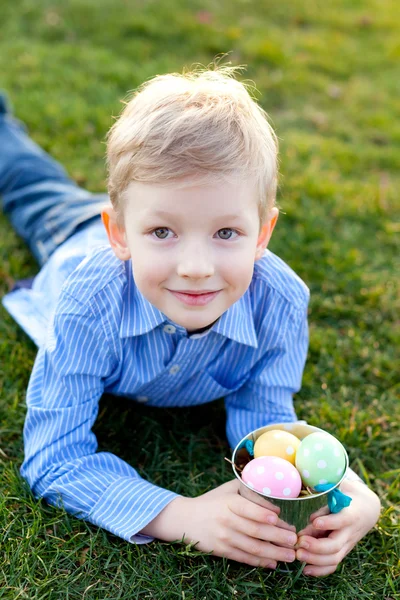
x=195 y=298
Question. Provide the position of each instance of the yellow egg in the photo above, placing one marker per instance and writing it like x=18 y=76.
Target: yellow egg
x=277 y=443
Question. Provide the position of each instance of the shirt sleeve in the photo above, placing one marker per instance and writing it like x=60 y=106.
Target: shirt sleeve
x=61 y=463
x=267 y=396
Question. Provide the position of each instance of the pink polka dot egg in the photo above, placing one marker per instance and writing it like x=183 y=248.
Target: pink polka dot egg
x=272 y=476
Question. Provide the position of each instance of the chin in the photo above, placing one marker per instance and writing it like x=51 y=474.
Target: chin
x=194 y=323
x=194 y=326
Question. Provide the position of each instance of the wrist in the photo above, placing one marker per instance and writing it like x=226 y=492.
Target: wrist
x=358 y=487
x=169 y=525
x=352 y=476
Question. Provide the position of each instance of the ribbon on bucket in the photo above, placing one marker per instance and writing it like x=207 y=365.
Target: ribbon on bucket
x=249 y=445
x=336 y=499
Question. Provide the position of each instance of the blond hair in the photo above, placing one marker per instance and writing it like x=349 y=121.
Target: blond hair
x=202 y=125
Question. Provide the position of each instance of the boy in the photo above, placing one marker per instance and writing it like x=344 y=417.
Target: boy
x=183 y=306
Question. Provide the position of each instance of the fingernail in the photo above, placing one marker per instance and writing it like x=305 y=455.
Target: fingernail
x=319 y=523
x=304 y=545
x=271 y=566
x=290 y=556
x=301 y=555
x=291 y=539
x=308 y=572
x=272 y=520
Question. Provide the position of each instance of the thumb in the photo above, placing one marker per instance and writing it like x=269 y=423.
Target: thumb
x=230 y=487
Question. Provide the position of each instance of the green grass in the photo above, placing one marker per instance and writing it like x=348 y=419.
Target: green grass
x=328 y=75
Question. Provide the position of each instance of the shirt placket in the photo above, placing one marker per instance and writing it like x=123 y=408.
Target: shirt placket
x=180 y=367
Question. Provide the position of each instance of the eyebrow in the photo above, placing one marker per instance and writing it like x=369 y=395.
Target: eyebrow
x=231 y=217
x=162 y=214
x=167 y=215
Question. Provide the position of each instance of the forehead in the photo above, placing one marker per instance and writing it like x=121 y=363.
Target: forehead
x=234 y=200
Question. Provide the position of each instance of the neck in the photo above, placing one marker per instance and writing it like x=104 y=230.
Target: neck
x=202 y=329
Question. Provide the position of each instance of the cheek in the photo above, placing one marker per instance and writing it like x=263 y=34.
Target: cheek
x=239 y=268
x=148 y=274
x=147 y=264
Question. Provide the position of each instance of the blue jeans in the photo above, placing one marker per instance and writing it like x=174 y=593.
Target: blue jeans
x=43 y=204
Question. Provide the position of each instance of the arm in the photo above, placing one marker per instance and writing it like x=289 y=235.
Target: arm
x=267 y=397
x=226 y=524
x=61 y=463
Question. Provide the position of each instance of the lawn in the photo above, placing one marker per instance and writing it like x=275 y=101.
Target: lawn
x=328 y=75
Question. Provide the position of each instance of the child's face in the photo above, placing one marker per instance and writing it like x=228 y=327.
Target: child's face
x=193 y=249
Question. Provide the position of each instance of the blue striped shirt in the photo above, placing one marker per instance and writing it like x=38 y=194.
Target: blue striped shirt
x=104 y=336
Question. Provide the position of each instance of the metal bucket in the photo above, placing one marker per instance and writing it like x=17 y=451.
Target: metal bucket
x=295 y=511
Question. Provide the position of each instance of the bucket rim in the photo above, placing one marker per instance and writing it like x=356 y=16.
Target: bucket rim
x=289 y=428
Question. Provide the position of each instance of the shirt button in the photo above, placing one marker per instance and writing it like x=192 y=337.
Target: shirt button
x=173 y=370
x=169 y=329
x=142 y=399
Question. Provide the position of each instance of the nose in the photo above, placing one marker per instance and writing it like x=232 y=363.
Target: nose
x=195 y=262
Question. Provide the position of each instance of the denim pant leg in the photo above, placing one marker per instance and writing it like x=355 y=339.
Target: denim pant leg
x=43 y=204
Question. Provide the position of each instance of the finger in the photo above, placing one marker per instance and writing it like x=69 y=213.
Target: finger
x=254 y=498
x=332 y=522
x=268 y=533
x=319 y=571
x=281 y=523
x=249 y=510
x=324 y=510
x=311 y=531
x=320 y=560
x=261 y=549
x=319 y=513
x=328 y=545
x=250 y=559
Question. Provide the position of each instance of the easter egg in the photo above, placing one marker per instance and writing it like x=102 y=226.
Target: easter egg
x=320 y=459
x=272 y=476
x=277 y=443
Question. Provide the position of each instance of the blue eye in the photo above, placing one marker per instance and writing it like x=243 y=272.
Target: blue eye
x=226 y=233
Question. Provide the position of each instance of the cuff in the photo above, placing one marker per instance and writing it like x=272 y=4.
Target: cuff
x=127 y=506
x=352 y=476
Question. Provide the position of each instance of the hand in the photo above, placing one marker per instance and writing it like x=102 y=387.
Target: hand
x=226 y=524
x=329 y=538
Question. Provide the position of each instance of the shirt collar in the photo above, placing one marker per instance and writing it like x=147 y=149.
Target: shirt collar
x=139 y=316
x=237 y=322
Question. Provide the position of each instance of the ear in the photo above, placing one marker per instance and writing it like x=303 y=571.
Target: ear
x=266 y=232
x=116 y=233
